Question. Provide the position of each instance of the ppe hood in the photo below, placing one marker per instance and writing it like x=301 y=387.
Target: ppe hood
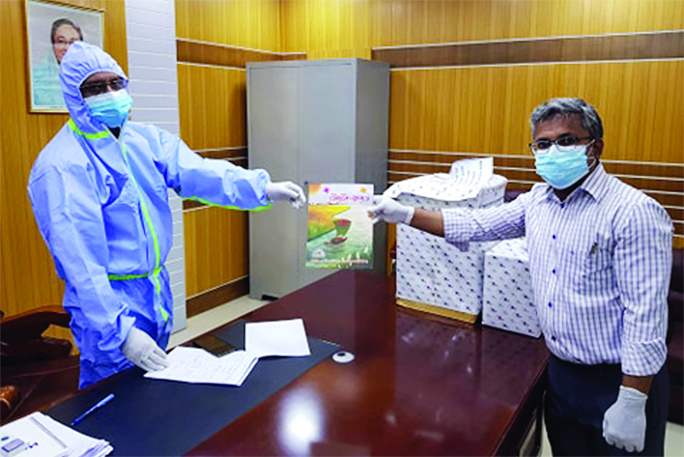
x=80 y=62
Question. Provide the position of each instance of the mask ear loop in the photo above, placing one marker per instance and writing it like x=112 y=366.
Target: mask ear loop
x=591 y=144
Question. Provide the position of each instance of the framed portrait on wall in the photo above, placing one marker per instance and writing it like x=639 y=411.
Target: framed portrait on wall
x=51 y=28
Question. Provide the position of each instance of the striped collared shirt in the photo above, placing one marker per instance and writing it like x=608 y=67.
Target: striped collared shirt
x=600 y=263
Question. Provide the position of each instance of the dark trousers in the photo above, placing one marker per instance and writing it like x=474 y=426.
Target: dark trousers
x=578 y=396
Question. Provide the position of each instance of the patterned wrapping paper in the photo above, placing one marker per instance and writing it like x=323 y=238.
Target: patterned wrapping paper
x=508 y=296
x=433 y=272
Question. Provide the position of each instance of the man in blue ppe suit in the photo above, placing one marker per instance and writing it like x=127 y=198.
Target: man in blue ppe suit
x=99 y=195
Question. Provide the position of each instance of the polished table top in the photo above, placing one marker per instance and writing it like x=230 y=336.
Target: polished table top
x=419 y=384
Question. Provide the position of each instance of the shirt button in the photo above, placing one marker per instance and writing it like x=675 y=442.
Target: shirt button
x=553 y=236
x=553 y=338
x=550 y=304
x=553 y=271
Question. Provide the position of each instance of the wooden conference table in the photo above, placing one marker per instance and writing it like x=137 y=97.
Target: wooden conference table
x=419 y=384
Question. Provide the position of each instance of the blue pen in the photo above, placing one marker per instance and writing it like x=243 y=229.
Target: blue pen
x=97 y=406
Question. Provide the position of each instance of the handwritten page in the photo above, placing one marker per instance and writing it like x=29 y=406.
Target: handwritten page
x=278 y=338
x=195 y=365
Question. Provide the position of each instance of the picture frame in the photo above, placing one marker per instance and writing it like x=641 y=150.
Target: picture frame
x=50 y=28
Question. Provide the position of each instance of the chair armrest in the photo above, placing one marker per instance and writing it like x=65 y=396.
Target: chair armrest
x=31 y=324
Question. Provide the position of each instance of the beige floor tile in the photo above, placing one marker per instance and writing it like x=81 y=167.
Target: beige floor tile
x=214 y=318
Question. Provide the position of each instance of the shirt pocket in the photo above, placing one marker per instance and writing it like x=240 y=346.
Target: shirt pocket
x=595 y=264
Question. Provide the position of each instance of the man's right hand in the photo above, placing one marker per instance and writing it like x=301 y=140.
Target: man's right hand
x=143 y=351
x=288 y=191
x=390 y=211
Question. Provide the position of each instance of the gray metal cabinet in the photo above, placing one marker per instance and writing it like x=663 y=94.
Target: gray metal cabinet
x=312 y=122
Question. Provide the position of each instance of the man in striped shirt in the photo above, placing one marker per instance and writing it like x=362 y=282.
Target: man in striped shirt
x=600 y=259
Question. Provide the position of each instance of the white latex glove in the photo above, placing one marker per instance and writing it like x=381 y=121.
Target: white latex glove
x=624 y=424
x=143 y=351
x=286 y=190
x=390 y=211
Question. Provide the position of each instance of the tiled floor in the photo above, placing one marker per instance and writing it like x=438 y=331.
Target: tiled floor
x=214 y=318
x=209 y=320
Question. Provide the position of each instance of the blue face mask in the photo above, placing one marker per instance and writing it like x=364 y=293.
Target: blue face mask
x=110 y=108
x=562 y=169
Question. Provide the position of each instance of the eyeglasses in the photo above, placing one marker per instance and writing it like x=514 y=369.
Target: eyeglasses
x=564 y=143
x=100 y=87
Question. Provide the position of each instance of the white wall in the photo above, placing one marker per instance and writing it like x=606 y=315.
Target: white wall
x=151 y=36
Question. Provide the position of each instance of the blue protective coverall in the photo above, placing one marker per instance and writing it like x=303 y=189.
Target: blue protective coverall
x=101 y=205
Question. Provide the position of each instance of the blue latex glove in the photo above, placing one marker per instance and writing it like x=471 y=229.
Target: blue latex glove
x=624 y=424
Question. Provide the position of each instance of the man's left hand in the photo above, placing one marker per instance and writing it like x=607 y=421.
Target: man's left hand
x=288 y=191
x=624 y=424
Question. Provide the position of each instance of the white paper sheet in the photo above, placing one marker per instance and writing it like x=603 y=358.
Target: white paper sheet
x=472 y=174
x=278 y=338
x=465 y=180
x=42 y=436
x=196 y=365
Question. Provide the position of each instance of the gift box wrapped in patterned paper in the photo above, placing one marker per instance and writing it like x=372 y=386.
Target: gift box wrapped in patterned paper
x=508 y=297
x=433 y=275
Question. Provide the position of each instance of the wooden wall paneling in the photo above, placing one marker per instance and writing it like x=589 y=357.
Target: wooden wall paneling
x=487 y=110
x=292 y=16
x=397 y=22
x=247 y=23
x=240 y=249
x=668 y=131
x=196 y=99
x=212 y=231
x=659 y=45
x=199 y=52
x=28 y=278
x=327 y=29
x=216 y=109
x=397 y=122
x=206 y=261
x=213 y=122
x=216 y=252
x=677 y=214
x=191 y=267
x=212 y=106
x=322 y=26
x=495 y=103
x=212 y=103
x=238 y=100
